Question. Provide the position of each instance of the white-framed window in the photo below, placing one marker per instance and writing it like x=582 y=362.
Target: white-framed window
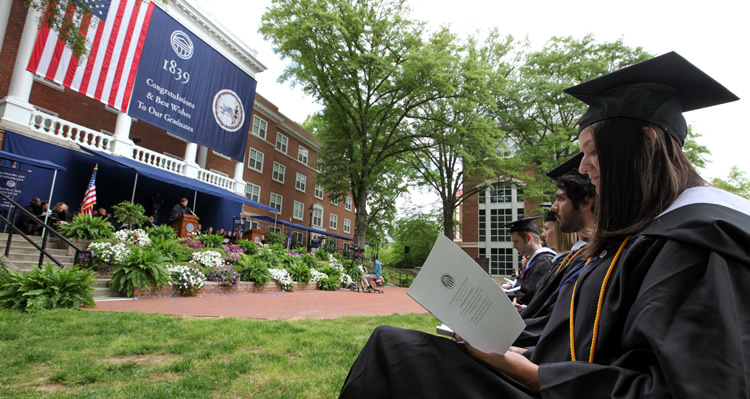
x=318 y=191
x=302 y=155
x=348 y=203
x=282 y=142
x=317 y=219
x=272 y=229
x=347 y=225
x=255 y=160
x=279 y=171
x=347 y=247
x=253 y=225
x=297 y=239
x=335 y=201
x=252 y=191
x=276 y=201
x=299 y=211
x=319 y=166
x=333 y=221
x=301 y=182
x=260 y=127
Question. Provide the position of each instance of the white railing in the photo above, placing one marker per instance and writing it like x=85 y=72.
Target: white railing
x=216 y=179
x=161 y=161
x=53 y=126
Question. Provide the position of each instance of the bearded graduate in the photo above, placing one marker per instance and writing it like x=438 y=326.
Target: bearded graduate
x=661 y=308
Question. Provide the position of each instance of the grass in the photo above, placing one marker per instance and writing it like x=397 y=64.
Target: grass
x=81 y=354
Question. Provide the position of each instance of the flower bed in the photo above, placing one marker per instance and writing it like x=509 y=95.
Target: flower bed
x=215 y=288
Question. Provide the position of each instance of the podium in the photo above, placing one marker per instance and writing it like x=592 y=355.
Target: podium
x=185 y=224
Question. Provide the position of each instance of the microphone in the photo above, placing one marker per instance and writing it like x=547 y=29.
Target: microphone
x=191 y=211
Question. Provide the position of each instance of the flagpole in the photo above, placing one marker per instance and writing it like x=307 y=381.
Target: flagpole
x=135 y=182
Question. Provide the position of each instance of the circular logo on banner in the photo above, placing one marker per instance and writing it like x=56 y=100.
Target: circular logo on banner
x=447 y=280
x=228 y=110
x=10 y=183
x=181 y=44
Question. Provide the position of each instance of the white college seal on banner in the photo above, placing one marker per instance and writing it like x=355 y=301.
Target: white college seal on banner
x=181 y=44
x=228 y=110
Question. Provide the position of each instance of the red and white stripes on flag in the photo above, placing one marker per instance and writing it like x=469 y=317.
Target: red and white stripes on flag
x=89 y=198
x=114 y=45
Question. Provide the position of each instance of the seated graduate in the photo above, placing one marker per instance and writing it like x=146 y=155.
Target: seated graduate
x=661 y=308
x=525 y=237
x=555 y=239
x=574 y=210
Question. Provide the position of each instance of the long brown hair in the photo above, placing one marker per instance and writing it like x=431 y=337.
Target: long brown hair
x=640 y=175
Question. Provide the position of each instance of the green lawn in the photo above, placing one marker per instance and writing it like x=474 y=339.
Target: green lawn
x=80 y=354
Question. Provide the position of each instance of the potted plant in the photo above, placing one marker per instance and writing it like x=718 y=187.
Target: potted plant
x=84 y=229
x=129 y=214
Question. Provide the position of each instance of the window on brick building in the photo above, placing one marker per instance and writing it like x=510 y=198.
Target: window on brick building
x=299 y=211
x=347 y=226
x=297 y=239
x=302 y=155
x=255 y=160
x=318 y=191
x=348 y=203
x=333 y=221
x=252 y=191
x=279 y=172
x=276 y=201
x=300 y=182
x=335 y=201
x=281 y=142
x=259 y=127
x=317 y=219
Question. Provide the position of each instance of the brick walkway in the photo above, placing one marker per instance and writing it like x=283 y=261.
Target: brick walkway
x=277 y=305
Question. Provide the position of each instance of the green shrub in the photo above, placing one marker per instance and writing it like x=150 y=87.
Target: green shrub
x=84 y=227
x=143 y=268
x=253 y=269
x=330 y=245
x=309 y=260
x=330 y=283
x=211 y=240
x=273 y=237
x=48 y=288
x=279 y=248
x=300 y=272
x=171 y=250
x=162 y=232
x=250 y=247
x=129 y=213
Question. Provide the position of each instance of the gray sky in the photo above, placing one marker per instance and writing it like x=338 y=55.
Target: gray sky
x=712 y=35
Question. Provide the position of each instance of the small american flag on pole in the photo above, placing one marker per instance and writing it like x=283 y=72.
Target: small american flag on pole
x=89 y=199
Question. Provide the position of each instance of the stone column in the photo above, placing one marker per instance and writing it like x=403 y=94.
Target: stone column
x=239 y=179
x=202 y=156
x=191 y=167
x=16 y=107
x=121 y=143
x=5 y=7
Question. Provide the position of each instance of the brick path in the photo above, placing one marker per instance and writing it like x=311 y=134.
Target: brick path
x=277 y=305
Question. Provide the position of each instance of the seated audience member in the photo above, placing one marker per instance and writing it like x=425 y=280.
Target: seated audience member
x=102 y=213
x=660 y=307
x=150 y=222
x=26 y=222
x=60 y=214
x=368 y=279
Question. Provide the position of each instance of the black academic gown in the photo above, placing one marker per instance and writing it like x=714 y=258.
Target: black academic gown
x=535 y=271
x=674 y=323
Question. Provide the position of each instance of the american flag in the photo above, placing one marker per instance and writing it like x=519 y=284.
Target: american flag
x=115 y=33
x=89 y=198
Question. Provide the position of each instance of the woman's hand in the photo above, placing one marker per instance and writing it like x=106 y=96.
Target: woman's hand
x=511 y=363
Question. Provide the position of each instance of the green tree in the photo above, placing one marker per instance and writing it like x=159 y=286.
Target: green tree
x=457 y=136
x=696 y=153
x=736 y=183
x=539 y=118
x=369 y=67
x=416 y=231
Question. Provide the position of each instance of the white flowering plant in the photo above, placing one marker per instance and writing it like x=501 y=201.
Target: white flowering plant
x=345 y=279
x=109 y=253
x=283 y=278
x=208 y=258
x=188 y=280
x=136 y=237
x=317 y=276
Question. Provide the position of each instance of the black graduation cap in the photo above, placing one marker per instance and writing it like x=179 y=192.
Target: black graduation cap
x=568 y=166
x=550 y=217
x=658 y=91
x=524 y=225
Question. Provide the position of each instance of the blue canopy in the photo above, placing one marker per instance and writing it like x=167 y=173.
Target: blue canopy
x=172 y=178
x=30 y=161
x=300 y=227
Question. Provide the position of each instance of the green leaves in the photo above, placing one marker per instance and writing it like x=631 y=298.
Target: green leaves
x=48 y=288
x=143 y=268
x=84 y=227
x=130 y=213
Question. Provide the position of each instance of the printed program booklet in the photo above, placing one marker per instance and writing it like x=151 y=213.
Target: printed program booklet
x=456 y=290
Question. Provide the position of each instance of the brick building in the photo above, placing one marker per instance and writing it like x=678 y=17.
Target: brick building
x=45 y=120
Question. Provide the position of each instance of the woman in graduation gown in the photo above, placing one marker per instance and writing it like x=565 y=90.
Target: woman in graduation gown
x=661 y=308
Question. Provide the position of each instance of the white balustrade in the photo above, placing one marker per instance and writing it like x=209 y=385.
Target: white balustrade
x=216 y=179
x=161 y=161
x=53 y=126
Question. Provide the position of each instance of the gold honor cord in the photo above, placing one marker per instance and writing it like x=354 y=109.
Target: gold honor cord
x=598 y=307
x=563 y=264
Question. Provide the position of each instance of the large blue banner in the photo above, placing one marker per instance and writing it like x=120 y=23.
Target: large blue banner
x=187 y=88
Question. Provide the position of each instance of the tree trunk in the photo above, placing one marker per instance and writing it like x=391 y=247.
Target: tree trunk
x=361 y=216
x=448 y=209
